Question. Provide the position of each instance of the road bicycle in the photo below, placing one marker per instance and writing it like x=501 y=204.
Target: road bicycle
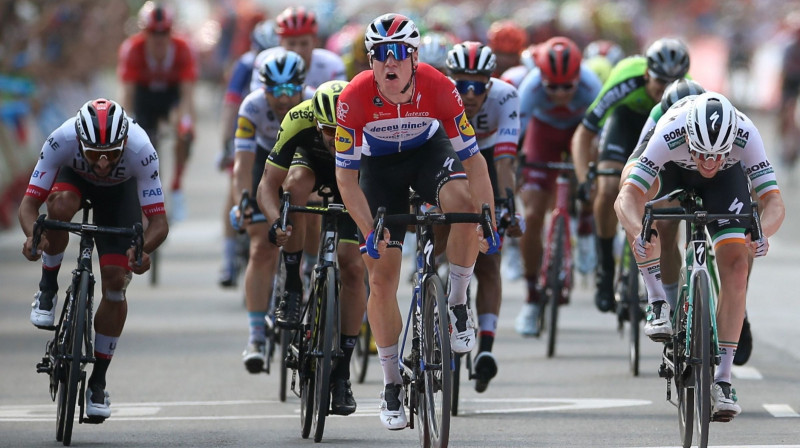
x=71 y=348
x=508 y=204
x=692 y=353
x=361 y=352
x=277 y=340
x=427 y=370
x=315 y=348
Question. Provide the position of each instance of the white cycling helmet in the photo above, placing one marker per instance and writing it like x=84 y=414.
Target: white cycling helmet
x=711 y=125
x=390 y=28
x=433 y=49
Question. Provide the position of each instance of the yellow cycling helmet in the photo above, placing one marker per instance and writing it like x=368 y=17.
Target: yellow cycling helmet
x=324 y=101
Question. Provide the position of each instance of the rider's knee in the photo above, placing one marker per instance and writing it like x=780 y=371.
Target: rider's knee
x=62 y=205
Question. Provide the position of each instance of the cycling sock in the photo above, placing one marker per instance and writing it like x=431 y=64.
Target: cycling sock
x=727 y=351
x=459 y=282
x=104 y=346
x=257 y=326
x=176 y=181
x=229 y=251
x=605 y=253
x=99 y=370
x=651 y=272
x=671 y=290
x=291 y=260
x=585 y=222
x=342 y=369
x=486 y=341
x=51 y=264
x=390 y=365
x=487 y=323
x=533 y=290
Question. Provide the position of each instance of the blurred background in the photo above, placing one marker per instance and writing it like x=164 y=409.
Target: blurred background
x=56 y=54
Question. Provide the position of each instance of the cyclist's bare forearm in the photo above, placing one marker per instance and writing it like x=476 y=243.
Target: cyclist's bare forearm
x=480 y=185
x=629 y=207
x=582 y=152
x=506 y=174
x=242 y=173
x=186 y=105
x=773 y=211
x=156 y=233
x=354 y=199
x=268 y=192
x=28 y=212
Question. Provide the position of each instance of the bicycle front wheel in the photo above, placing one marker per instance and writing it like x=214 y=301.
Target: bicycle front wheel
x=76 y=349
x=684 y=375
x=635 y=312
x=701 y=348
x=325 y=293
x=555 y=282
x=437 y=370
x=456 y=383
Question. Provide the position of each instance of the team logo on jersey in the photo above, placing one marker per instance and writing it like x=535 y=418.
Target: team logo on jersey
x=344 y=140
x=377 y=101
x=245 y=128
x=742 y=137
x=464 y=128
x=342 y=109
x=675 y=138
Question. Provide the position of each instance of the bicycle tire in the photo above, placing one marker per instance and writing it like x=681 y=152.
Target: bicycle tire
x=60 y=366
x=76 y=346
x=306 y=382
x=436 y=351
x=635 y=314
x=701 y=347
x=456 y=384
x=360 y=358
x=324 y=349
x=285 y=337
x=684 y=382
x=555 y=282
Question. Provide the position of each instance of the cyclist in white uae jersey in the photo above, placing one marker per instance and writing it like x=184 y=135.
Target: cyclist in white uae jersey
x=704 y=143
x=103 y=156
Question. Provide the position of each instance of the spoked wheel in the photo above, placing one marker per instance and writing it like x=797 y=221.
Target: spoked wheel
x=684 y=375
x=437 y=373
x=360 y=359
x=701 y=348
x=555 y=283
x=75 y=344
x=285 y=338
x=456 y=383
x=634 y=316
x=324 y=349
x=306 y=403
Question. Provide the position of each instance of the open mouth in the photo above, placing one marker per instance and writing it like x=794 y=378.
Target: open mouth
x=391 y=76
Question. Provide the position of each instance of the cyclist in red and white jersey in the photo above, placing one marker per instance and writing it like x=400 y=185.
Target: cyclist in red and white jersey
x=492 y=108
x=297 y=31
x=158 y=71
x=400 y=125
x=104 y=156
x=553 y=99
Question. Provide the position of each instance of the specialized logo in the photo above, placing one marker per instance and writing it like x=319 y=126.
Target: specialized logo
x=700 y=252
x=428 y=250
x=464 y=128
x=344 y=140
x=245 y=128
x=448 y=163
x=714 y=118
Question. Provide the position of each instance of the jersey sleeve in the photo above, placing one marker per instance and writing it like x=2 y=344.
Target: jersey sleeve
x=290 y=136
x=244 y=138
x=185 y=61
x=647 y=166
x=350 y=124
x=454 y=119
x=240 y=80
x=508 y=125
x=126 y=65
x=754 y=158
x=527 y=95
x=55 y=153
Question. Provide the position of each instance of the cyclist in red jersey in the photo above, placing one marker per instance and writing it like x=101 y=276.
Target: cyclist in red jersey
x=400 y=125
x=158 y=71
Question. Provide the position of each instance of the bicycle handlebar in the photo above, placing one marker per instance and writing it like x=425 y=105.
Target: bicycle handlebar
x=135 y=232
x=681 y=214
x=484 y=218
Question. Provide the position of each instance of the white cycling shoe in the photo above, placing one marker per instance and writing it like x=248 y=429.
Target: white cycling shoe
x=393 y=413
x=462 y=329
x=43 y=318
x=97 y=410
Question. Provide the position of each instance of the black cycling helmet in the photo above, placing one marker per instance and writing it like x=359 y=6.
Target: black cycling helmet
x=667 y=59
x=678 y=89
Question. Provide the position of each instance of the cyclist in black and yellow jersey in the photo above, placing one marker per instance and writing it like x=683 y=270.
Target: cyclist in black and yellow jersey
x=301 y=162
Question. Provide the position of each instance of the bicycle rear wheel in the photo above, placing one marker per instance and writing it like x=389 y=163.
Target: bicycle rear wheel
x=305 y=370
x=701 y=349
x=635 y=313
x=360 y=359
x=555 y=282
x=285 y=338
x=324 y=348
x=60 y=348
x=456 y=384
x=437 y=374
x=76 y=349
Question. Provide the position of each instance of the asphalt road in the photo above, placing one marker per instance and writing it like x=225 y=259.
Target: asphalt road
x=177 y=377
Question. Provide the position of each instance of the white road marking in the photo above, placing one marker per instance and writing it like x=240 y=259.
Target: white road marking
x=746 y=373
x=781 y=410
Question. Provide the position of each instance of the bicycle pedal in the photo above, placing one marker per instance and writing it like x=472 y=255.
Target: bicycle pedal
x=93 y=420
x=45 y=327
x=722 y=417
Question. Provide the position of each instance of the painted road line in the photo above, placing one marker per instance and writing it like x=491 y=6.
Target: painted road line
x=746 y=373
x=781 y=410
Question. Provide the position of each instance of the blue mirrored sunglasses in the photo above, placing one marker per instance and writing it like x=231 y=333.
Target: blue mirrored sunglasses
x=399 y=52
x=477 y=87
x=287 y=89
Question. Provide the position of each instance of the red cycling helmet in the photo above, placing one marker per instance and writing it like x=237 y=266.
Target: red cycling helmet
x=506 y=37
x=296 y=22
x=559 y=60
x=155 y=18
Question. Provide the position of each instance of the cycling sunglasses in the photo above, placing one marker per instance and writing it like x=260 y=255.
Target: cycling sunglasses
x=399 y=51
x=553 y=88
x=94 y=155
x=287 y=88
x=476 y=87
x=328 y=131
x=702 y=157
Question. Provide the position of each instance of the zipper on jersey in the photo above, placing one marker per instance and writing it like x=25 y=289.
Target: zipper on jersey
x=400 y=125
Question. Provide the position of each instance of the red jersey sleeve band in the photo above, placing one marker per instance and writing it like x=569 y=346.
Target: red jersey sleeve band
x=502 y=150
x=154 y=209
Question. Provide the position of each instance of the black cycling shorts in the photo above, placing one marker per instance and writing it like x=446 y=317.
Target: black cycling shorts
x=152 y=106
x=727 y=192
x=620 y=134
x=114 y=206
x=386 y=180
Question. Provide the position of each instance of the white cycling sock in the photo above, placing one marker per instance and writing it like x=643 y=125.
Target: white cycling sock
x=459 y=282
x=651 y=272
x=727 y=351
x=671 y=290
x=104 y=346
x=390 y=365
